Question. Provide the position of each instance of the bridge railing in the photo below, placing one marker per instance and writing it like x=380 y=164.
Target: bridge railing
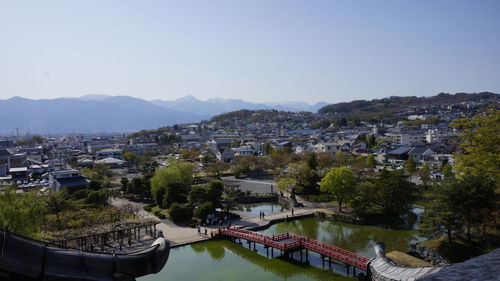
x=252 y=236
x=332 y=251
x=319 y=247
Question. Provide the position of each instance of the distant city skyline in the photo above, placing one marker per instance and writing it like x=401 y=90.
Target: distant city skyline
x=258 y=51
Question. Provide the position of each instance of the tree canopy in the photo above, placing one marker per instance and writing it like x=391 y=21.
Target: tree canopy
x=460 y=203
x=21 y=213
x=340 y=182
x=172 y=184
x=394 y=194
x=479 y=145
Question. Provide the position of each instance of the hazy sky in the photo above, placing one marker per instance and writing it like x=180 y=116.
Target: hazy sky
x=254 y=50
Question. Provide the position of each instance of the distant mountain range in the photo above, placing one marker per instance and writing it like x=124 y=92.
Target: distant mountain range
x=102 y=113
x=98 y=113
x=216 y=106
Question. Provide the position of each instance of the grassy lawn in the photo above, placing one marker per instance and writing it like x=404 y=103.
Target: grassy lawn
x=406 y=260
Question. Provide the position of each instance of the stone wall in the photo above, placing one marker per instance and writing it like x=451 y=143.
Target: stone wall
x=427 y=255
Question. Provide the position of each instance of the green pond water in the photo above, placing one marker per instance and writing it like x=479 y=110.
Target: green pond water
x=254 y=210
x=226 y=260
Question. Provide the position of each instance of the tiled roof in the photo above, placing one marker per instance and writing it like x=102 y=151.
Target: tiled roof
x=72 y=182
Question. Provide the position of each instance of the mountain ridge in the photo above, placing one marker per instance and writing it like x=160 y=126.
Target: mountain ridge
x=127 y=114
x=98 y=112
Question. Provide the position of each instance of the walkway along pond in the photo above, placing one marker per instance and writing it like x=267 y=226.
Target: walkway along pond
x=226 y=260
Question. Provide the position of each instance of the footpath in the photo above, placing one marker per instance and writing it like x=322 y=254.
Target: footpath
x=182 y=235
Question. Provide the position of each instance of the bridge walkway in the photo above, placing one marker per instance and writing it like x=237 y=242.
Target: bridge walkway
x=289 y=242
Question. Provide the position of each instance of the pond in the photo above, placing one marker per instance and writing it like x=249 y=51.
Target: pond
x=226 y=260
x=253 y=210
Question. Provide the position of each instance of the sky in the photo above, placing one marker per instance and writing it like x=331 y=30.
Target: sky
x=259 y=51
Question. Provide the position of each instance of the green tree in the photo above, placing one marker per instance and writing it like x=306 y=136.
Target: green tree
x=215 y=191
x=135 y=186
x=478 y=145
x=475 y=199
x=208 y=158
x=394 y=194
x=132 y=158
x=447 y=171
x=425 y=175
x=286 y=185
x=124 y=184
x=21 y=213
x=197 y=195
x=268 y=149
x=98 y=197
x=99 y=173
x=363 y=200
x=217 y=168
x=411 y=166
x=57 y=202
x=175 y=180
x=340 y=183
x=180 y=213
x=371 y=141
x=176 y=192
x=203 y=210
x=370 y=161
x=305 y=177
x=341 y=158
x=94 y=185
x=440 y=214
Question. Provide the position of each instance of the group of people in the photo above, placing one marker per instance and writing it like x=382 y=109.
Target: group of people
x=262 y=215
x=214 y=220
x=199 y=230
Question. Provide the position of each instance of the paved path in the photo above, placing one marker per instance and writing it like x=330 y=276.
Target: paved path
x=180 y=235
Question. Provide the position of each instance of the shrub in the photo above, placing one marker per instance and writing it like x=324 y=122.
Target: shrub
x=180 y=213
x=203 y=209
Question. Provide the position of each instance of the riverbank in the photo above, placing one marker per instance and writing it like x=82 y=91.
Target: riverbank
x=181 y=235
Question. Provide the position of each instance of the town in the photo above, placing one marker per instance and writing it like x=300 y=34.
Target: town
x=186 y=181
x=249 y=140
x=421 y=135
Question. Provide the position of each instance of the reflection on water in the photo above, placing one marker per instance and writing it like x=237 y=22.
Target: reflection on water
x=356 y=238
x=226 y=260
x=253 y=210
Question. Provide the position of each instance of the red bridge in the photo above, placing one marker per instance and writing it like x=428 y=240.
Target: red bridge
x=288 y=243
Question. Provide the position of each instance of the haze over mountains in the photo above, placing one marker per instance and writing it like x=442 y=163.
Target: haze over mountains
x=101 y=113
x=216 y=106
x=95 y=113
